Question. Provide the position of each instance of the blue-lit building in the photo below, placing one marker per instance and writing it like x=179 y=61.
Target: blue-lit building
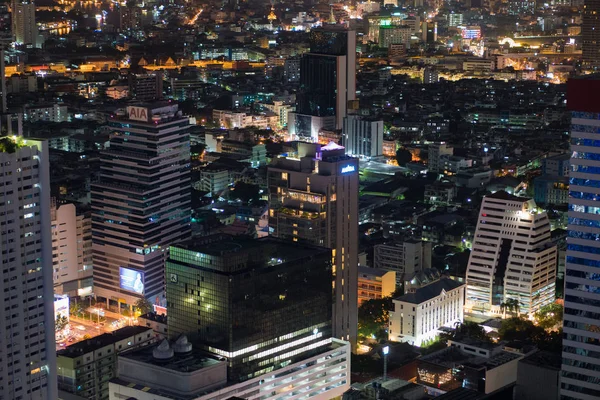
x=581 y=340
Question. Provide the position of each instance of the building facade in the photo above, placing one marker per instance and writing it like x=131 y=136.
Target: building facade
x=512 y=256
x=85 y=368
x=404 y=258
x=363 y=137
x=257 y=303
x=374 y=283
x=591 y=35
x=417 y=316
x=140 y=203
x=24 y=29
x=580 y=362
x=71 y=249
x=27 y=348
x=320 y=206
x=327 y=82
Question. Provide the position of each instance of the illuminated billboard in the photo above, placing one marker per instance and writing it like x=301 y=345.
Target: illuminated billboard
x=132 y=280
x=61 y=306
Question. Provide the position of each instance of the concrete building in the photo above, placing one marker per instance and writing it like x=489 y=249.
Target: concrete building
x=362 y=137
x=85 y=368
x=455 y=19
x=404 y=258
x=179 y=372
x=146 y=87
x=451 y=165
x=551 y=189
x=71 y=249
x=470 y=364
x=430 y=76
x=214 y=180
x=141 y=202
x=27 y=348
x=327 y=82
x=538 y=377
x=395 y=35
x=374 y=283
x=580 y=362
x=436 y=151
x=320 y=206
x=512 y=256
x=24 y=29
x=47 y=113
x=417 y=316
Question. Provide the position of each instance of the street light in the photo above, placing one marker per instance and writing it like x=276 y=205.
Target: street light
x=386 y=351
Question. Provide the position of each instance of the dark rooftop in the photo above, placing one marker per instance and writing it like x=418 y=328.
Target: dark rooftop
x=544 y=359
x=188 y=362
x=430 y=291
x=86 y=346
x=502 y=195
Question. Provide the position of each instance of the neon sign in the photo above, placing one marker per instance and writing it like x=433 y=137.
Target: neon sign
x=348 y=168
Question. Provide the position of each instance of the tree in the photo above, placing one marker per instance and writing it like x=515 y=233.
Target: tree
x=520 y=329
x=76 y=309
x=144 y=306
x=510 y=305
x=549 y=316
x=374 y=317
x=60 y=323
x=470 y=330
x=403 y=157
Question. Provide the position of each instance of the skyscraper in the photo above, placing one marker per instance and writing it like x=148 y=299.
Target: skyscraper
x=24 y=28
x=327 y=82
x=512 y=256
x=260 y=303
x=590 y=31
x=581 y=344
x=313 y=198
x=27 y=347
x=141 y=202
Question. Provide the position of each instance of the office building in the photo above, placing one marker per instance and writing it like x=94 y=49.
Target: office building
x=375 y=283
x=512 y=256
x=146 y=86
x=538 y=376
x=391 y=34
x=327 y=83
x=71 y=249
x=180 y=371
x=429 y=32
x=580 y=364
x=405 y=258
x=436 y=151
x=430 y=75
x=141 y=202
x=84 y=368
x=455 y=19
x=259 y=303
x=27 y=348
x=591 y=34
x=416 y=317
x=362 y=137
x=24 y=29
x=313 y=197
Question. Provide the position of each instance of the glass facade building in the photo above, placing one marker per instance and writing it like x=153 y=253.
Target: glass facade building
x=261 y=304
x=581 y=339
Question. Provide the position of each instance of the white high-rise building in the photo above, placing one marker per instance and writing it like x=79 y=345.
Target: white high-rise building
x=27 y=346
x=363 y=137
x=314 y=198
x=581 y=340
x=71 y=250
x=512 y=255
x=141 y=202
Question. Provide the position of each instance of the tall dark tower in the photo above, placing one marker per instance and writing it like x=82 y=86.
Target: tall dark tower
x=591 y=34
x=327 y=82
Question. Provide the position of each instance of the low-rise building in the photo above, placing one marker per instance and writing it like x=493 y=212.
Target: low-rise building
x=84 y=368
x=440 y=193
x=179 y=372
x=417 y=316
x=538 y=376
x=375 y=283
x=47 y=113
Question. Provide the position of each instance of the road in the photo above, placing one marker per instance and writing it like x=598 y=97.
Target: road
x=79 y=327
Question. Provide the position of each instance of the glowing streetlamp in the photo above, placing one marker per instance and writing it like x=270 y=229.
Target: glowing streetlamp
x=386 y=351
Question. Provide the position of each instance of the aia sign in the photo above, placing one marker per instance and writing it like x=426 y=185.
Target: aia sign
x=138 y=113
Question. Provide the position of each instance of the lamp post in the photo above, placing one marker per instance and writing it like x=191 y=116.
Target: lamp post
x=386 y=351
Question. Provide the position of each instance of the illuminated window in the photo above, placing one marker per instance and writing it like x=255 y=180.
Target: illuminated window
x=284 y=176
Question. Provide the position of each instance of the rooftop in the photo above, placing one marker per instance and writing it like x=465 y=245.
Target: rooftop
x=430 y=291
x=452 y=357
x=544 y=359
x=89 y=345
x=188 y=362
x=502 y=195
x=371 y=271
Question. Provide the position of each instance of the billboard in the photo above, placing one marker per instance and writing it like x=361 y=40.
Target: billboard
x=61 y=306
x=132 y=280
x=138 y=113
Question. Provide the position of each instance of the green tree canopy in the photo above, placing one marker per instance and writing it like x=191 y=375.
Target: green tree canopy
x=144 y=306
x=550 y=316
x=403 y=157
x=470 y=330
x=60 y=323
x=374 y=317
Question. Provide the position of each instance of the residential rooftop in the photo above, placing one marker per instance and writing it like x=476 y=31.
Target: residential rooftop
x=430 y=291
x=95 y=343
